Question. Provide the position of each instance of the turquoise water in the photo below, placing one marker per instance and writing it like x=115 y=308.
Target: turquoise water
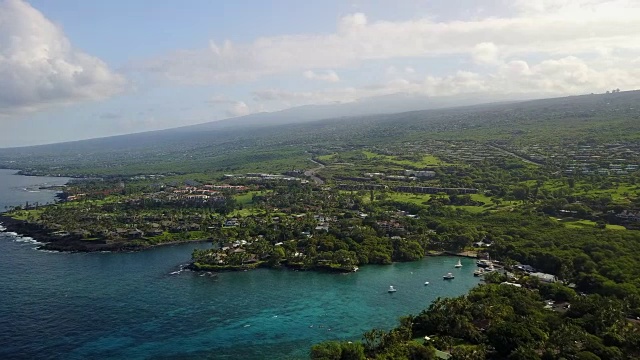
x=140 y=305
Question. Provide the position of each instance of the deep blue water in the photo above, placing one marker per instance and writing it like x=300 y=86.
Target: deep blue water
x=131 y=306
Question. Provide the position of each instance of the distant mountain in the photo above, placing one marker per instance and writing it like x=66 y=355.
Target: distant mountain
x=387 y=104
x=260 y=138
x=391 y=110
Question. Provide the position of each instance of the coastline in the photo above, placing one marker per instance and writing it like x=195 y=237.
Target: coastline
x=72 y=243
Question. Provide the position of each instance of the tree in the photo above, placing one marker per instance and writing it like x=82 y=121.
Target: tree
x=330 y=350
x=507 y=337
x=468 y=353
x=420 y=352
x=586 y=355
x=352 y=351
x=276 y=256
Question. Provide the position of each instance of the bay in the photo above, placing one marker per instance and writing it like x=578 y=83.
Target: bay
x=16 y=190
x=143 y=306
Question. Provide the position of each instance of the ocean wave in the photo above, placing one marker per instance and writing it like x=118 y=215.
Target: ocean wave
x=27 y=239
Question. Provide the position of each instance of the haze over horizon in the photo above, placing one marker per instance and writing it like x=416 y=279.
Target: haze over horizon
x=74 y=70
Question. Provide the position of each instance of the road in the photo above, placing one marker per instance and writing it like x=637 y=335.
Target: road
x=514 y=155
x=312 y=173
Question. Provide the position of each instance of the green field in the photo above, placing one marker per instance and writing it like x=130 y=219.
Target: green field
x=581 y=224
x=410 y=198
x=424 y=161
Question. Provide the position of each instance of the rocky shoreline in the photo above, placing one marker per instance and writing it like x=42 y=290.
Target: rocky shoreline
x=70 y=243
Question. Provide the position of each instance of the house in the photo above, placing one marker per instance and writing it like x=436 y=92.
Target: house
x=154 y=232
x=232 y=222
x=629 y=216
x=510 y=283
x=135 y=234
x=526 y=268
x=422 y=174
x=481 y=244
x=548 y=278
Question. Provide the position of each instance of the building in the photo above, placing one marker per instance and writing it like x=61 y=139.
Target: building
x=548 y=278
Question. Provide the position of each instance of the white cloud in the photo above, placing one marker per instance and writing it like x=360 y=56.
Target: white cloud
x=39 y=67
x=562 y=76
x=485 y=53
x=394 y=71
x=354 y=22
x=328 y=76
x=573 y=28
x=220 y=99
x=239 y=108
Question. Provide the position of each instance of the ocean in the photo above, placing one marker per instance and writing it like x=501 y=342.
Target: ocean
x=142 y=305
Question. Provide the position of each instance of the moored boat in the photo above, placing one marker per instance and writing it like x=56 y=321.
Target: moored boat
x=484 y=263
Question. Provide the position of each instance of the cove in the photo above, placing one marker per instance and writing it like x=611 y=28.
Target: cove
x=129 y=305
x=141 y=306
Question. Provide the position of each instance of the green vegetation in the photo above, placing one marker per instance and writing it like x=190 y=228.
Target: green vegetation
x=553 y=184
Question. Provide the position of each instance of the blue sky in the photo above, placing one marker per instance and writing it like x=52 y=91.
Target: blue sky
x=73 y=69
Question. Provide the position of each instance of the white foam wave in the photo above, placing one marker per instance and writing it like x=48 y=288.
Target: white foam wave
x=2 y=228
x=27 y=239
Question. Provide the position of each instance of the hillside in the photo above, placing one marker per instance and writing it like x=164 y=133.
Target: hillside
x=216 y=146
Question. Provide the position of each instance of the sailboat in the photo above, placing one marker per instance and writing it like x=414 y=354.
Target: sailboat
x=459 y=264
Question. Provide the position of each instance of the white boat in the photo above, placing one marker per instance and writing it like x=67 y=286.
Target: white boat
x=459 y=264
x=391 y=289
x=426 y=283
x=449 y=276
x=478 y=272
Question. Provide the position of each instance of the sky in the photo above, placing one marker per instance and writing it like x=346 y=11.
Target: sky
x=75 y=69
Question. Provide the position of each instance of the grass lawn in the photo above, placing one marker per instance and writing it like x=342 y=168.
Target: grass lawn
x=246 y=199
x=246 y=212
x=24 y=214
x=326 y=157
x=481 y=198
x=471 y=209
x=581 y=224
x=410 y=198
x=427 y=160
